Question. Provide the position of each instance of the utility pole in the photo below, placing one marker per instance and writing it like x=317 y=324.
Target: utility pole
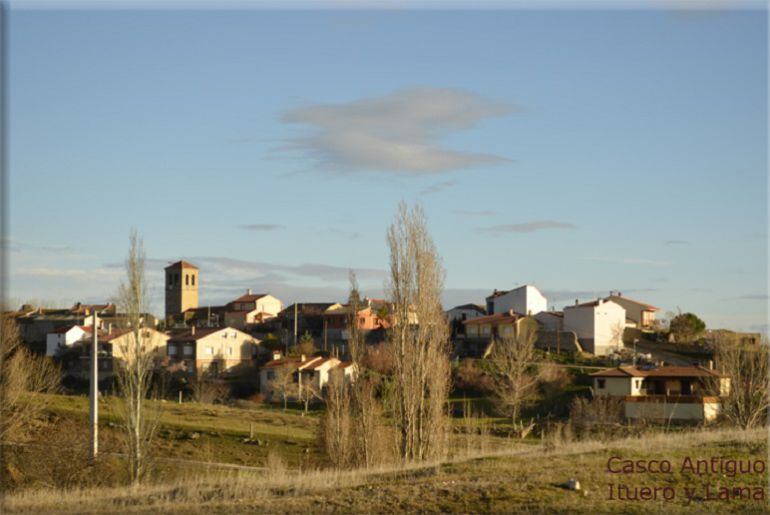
x=325 y=338
x=94 y=404
x=295 y=325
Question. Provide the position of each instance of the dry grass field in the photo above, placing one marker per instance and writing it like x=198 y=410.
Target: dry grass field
x=500 y=476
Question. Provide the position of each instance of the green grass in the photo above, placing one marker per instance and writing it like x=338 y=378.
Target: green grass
x=204 y=432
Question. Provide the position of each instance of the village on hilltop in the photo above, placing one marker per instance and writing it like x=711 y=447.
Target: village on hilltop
x=279 y=348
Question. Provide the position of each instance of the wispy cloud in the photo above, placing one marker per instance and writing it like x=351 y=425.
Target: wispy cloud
x=262 y=227
x=469 y=212
x=18 y=246
x=677 y=242
x=539 y=225
x=351 y=235
x=395 y=133
x=754 y=296
x=438 y=187
x=55 y=272
x=628 y=261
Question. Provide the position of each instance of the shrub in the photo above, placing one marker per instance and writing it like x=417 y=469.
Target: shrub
x=599 y=416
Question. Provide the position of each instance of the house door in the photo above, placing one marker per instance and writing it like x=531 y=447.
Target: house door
x=686 y=388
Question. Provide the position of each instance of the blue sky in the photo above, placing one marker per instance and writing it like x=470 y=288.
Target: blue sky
x=580 y=151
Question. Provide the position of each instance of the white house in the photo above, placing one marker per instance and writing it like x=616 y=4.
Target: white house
x=525 y=300
x=691 y=393
x=599 y=325
x=464 y=312
x=315 y=371
x=64 y=337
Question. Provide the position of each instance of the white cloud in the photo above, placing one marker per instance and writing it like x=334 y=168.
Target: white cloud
x=628 y=261
x=262 y=227
x=538 y=225
x=438 y=187
x=397 y=133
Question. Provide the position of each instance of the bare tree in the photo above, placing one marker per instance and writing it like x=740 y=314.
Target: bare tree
x=746 y=399
x=419 y=338
x=22 y=374
x=336 y=422
x=283 y=385
x=307 y=392
x=513 y=379
x=366 y=407
x=206 y=388
x=135 y=371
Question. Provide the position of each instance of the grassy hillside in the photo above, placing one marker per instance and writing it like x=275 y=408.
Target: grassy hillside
x=188 y=434
x=507 y=477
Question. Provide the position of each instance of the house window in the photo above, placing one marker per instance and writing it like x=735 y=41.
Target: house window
x=172 y=349
x=193 y=280
x=210 y=351
x=188 y=350
x=230 y=351
x=270 y=375
x=235 y=335
x=600 y=383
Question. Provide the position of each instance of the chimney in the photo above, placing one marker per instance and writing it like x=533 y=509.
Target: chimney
x=192 y=330
x=599 y=301
x=711 y=364
x=510 y=312
x=248 y=292
x=576 y=302
x=276 y=355
x=302 y=358
x=109 y=328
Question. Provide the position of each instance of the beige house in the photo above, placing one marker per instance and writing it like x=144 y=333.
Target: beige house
x=215 y=350
x=123 y=342
x=500 y=325
x=251 y=308
x=638 y=314
x=115 y=347
x=690 y=393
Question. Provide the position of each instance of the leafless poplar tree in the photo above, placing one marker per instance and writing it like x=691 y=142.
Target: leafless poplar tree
x=336 y=423
x=135 y=370
x=748 y=400
x=366 y=406
x=419 y=338
x=513 y=381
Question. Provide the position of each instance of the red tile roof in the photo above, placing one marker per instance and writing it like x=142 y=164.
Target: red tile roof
x=181 y=264
x=248 y=297
x=292 y=362
x=648 y=307
x=664 y=371
x=498 y=318
x=188 y=336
